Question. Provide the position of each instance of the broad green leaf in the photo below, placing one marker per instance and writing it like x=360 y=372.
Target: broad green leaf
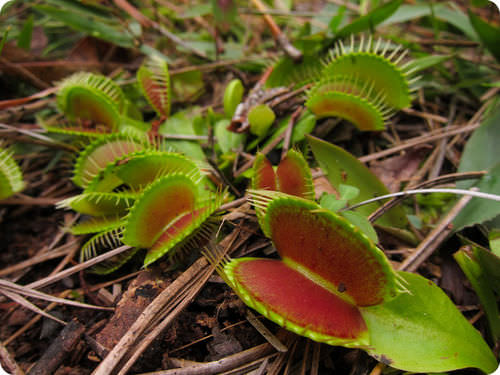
x=479 y=210
x=24 y=38
x=181 y=124
x=330 y=202
x=479 y=281
x=481 y=150
x=343 y=168
x=423 y=331
x=362 y=223
x=370 y=20
x=489 y=34
x=348 y=192
x=227 y=140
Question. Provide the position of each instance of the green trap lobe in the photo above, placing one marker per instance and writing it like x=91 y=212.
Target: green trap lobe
x=294 y=176
x=354 y=109
x=172 y=233
x=385 y=76
x=97 y=159
x=160 y=205
x=143 y=170
x=86 y=105
x=264 y=177
x=328 y=246
x=298 y=300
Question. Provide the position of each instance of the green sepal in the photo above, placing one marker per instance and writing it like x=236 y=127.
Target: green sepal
x=99 y=153
x=11 y=177
x=99 y=204
x=423 y=331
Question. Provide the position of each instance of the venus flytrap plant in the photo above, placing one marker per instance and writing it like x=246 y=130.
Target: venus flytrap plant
x=138 y=195
x=333 y=285
x=11 y=177
x=363 y=83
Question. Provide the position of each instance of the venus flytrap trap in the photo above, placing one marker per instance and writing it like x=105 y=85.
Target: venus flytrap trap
x=99 y=153
x=136 y=194
x=92 y=104
x=154 y=81
x=11 y=177
x=363 y=83
x=333 y=285
x=291 y=176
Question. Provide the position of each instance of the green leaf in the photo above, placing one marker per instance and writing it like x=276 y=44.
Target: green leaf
x=181 y=123
x=24 y=38
x=481 y=150
x=479 y=281
x=370 y=20
x=479 y=210
x=423 y=331
x=112 y=31
x=227 y=140
x=494 y=237
x=456 y=17
x=343 y=168
x=489 y=34
x=362 y=223
x=330 y=202
x=426 y=62
x=408 y=12
x=348 y=192
x=337 y=19
x=232 y=96
x=490 y=265
x=260 y=117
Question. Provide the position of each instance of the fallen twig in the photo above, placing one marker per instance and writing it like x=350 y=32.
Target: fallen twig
x=60 y=348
